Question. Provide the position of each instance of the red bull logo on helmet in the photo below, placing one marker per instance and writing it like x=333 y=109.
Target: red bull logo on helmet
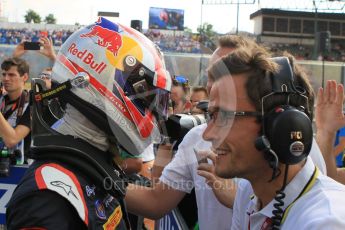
x=87 y=57
x=106 y=34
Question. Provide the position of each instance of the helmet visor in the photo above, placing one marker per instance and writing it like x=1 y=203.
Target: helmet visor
x=138 y=83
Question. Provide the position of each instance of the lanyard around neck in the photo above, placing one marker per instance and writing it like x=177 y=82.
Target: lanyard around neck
x=306 y=189
x=17 y=105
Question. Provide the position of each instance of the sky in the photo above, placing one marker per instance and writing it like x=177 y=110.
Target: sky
x=222 y=17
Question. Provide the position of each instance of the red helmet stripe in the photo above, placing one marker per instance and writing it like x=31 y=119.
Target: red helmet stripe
x=162 y=82
x=67 y=64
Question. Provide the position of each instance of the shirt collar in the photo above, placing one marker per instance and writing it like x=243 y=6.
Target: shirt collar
x=292 y=190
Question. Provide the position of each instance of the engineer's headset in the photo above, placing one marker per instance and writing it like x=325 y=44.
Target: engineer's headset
x=286 y=130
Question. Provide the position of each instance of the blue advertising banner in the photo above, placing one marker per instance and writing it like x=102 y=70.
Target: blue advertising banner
x=171 y=221
x=7 y=186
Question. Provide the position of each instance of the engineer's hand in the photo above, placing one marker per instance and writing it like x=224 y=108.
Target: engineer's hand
x=224 y=189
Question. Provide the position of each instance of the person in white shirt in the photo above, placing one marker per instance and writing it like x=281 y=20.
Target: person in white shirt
x=260 y=129
x=316 y=209
x=180 y=176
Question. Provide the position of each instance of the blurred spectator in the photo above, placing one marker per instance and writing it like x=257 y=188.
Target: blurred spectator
x=198 y=94
x=46 y=76
x=180 y=94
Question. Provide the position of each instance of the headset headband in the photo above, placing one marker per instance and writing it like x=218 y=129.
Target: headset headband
x=286 y=129
x=283 y=81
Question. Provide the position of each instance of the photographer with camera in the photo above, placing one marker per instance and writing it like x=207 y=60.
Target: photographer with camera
x=15 y=113
x=15 y=107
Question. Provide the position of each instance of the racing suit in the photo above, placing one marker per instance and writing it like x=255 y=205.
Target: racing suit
x=71 y=185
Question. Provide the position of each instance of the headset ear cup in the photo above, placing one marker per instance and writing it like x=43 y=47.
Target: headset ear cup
x=290 y=133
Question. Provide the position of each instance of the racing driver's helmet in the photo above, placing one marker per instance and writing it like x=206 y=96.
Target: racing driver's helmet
x=128 y=85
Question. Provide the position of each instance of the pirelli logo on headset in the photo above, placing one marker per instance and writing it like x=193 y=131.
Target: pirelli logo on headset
x=286 y=130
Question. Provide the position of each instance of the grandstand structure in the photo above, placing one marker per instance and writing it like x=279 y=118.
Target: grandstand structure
x=294 y=25
x=295 y=30
x=275 y=25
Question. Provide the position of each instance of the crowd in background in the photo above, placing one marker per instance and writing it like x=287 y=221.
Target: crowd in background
x=168 y=43
x=180 y=43
x=15 y=36
x=175 y=43
x=305 y=52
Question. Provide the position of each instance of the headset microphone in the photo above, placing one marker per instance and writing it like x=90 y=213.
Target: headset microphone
x=263 y=144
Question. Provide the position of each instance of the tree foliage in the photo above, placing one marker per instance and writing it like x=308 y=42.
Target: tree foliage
x=188 y=30
x=207 y=35
x=206 y=30
x=32 y=16
x=50 y=19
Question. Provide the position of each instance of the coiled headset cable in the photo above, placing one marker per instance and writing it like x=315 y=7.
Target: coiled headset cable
x=278 y=211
